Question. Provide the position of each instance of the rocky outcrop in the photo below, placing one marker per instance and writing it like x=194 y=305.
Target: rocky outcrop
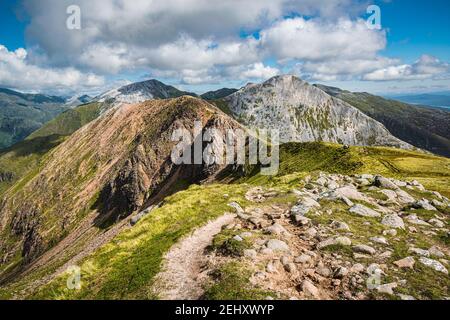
x=360 y=256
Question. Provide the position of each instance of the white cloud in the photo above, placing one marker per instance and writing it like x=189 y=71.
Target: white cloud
x=341 y=69
x=426 y=67
x=259 y=71
x=17 y=73
x=121 y=35
x=318 y=40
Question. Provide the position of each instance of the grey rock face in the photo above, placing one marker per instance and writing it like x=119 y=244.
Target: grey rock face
x=305 y=113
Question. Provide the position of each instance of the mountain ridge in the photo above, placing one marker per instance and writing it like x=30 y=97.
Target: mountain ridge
x=424 y=127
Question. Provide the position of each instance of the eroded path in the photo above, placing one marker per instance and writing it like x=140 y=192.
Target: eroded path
x=182 y=276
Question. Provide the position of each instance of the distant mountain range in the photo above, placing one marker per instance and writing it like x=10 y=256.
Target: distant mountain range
x=218 y=94
x=21 y=114
x=302 y=112
x=440 y=100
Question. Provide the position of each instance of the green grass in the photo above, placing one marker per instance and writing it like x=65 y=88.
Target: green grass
x=224 y=244
x=232 y=283
x=69 y=121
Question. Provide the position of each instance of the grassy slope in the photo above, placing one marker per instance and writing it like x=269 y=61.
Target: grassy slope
x=125 y=267
x=24 y=158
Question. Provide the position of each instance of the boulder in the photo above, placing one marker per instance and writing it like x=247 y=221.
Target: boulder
x=357 y=268
x=237 y=207
x=347 y=201
x=310 y=202
x=399 y=183
x=343 y=241
x=310 y=290
x=436 y=265
x=380 y=240
x=383 y=182
x=413 y=219
x=300 y=220
x=276 y=229
x=436 y=252
x=347 y=191
x=407 y=262
x=363 y=182
x=419 y=252
x=424 y=204
x=404 y=197
x=364 y=211
x=311 y=232
x=300 y=209
x=387 y=288
x=322 y=181
x=390 y=194
x=437 y=223
x=340 y=272
x=277 y=245
x=364 y=249
x=341 y=226
x=290 y=267
x=393 y=221
x=303 y=259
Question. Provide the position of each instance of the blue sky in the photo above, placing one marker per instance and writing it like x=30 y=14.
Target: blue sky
x=208 y=48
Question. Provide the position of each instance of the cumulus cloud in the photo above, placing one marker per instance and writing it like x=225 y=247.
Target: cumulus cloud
x=426 y=67
x=17 y=73
x=317 y=40
x=259 y=71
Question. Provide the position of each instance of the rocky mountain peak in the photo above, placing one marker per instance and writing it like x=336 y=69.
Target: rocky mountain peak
x=304 y=113
x=141 y=91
